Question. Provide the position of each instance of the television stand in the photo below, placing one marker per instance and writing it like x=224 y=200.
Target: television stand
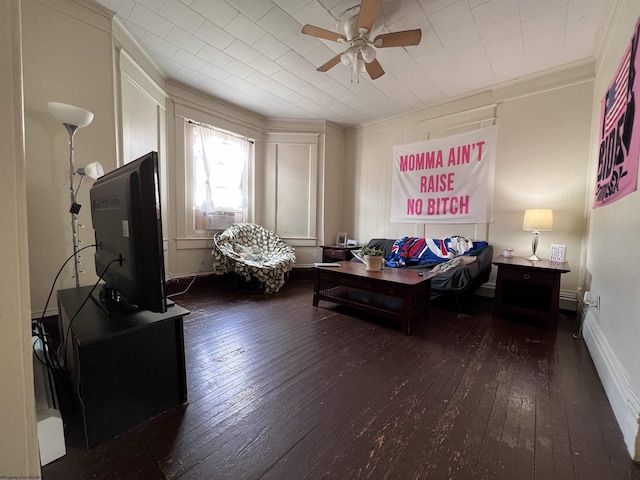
x=124 y=369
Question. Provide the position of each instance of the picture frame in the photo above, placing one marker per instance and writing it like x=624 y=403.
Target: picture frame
x=341 y=239
x=557 y=253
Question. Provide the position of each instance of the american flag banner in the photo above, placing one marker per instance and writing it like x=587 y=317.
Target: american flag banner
x=616 y=98
x=619 y=148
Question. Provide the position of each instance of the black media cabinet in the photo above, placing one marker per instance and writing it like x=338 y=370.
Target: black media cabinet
x=124 y=370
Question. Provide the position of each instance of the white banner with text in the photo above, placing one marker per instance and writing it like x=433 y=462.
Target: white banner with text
x=446 y=180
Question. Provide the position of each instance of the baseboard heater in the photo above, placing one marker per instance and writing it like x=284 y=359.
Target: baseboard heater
x=50 y=426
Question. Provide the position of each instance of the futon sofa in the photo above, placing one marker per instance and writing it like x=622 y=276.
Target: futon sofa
x=457 y=275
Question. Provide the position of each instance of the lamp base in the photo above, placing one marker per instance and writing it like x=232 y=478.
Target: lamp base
x=533 y=258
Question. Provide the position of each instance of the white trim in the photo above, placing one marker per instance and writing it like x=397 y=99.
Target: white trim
x=615 y=380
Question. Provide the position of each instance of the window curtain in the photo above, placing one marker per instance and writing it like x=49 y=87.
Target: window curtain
x=220 y=163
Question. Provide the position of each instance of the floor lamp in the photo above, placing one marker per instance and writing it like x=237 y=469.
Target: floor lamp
x=537 y=220
x=74 y=118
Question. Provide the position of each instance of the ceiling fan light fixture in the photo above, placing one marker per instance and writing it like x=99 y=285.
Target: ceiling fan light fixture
x=347 y=57
x=368 y=53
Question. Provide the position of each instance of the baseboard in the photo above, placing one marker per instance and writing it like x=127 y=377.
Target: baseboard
x=615 y=380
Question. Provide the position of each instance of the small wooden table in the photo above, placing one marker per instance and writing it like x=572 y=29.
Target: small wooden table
x=528 y=287
x=396 y=294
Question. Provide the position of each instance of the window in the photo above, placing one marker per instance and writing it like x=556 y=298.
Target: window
x=220 y=165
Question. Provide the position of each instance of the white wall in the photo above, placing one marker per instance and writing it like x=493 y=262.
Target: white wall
x=18 y=441
x=67 y=55
x=612 y=259
x=542 y=158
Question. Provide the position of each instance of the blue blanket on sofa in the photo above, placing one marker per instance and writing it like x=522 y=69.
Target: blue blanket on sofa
x=410 y=251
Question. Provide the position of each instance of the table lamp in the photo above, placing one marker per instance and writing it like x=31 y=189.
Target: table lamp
x=537 y=220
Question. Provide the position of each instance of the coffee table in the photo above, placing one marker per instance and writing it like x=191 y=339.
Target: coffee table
x=397 y=294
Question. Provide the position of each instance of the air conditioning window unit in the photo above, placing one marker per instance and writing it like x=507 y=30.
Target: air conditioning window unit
x=220 y=220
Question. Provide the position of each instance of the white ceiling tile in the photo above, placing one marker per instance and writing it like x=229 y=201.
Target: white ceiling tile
x=460 y=36
x=278 y=23
x=149 y=20
x=121 y=8
x=295 y=63
x=154 y=5
x=214 y=56
x=451 y=17
x=214 y=35
x=271 y=47
x=581 y=16
x=268 y=84
x=476 y=3
x=241 y=51
x=400 y=10
x=472 y=63
x=189 y=76
x=252 y=53
x=217 y=12
x=433 y=6
x=302 y=44
x=579 y=44
x=534 y=8
x=438 y=66
x=507 y=58
x=265 y=65
x=314 y=14
x=542 y=24
x=243 y=28
x=239 y=69
x=185 y=40
x=544 y=51
x=214 y=72
x=291 y=6
x=493 y=12
x=253 y=9
x=181 y=15
x=158 y=45
x=502 y=30
x=187 y=59
x=170 y=67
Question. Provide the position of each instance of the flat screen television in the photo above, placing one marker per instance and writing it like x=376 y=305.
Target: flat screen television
x=126 y=216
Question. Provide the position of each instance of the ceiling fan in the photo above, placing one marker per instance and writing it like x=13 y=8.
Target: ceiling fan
x=361 y=56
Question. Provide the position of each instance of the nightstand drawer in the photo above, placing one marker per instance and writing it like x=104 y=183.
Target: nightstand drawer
x=527 y=276
x=334 y=253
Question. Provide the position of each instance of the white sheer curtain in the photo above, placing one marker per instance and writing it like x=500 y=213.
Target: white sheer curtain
x=219 y=170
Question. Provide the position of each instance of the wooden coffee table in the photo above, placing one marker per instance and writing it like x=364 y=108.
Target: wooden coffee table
x=397 y=294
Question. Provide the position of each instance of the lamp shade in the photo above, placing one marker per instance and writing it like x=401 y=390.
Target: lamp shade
x=94 y=170
x=70 y=114
x=538 y=219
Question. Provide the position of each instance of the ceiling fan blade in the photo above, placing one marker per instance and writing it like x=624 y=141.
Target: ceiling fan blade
x=322 y=33
x=374 y=69
x=368 y=12
x=398 y=39
x=330 y=64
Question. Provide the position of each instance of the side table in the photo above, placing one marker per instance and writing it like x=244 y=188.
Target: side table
x=337 y=253
x=528 y=287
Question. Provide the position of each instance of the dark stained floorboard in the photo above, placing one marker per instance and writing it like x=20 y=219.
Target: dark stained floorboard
x=279 y=389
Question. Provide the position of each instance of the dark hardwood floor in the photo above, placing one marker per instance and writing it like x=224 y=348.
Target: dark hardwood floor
x=280 y=389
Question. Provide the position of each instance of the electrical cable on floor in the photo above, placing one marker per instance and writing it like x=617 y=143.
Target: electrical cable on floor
x=204 y=250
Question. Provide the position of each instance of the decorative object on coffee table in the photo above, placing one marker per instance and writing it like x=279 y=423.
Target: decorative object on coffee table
x=373 y=258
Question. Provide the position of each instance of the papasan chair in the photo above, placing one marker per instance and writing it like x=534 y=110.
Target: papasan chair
x=253 y=252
